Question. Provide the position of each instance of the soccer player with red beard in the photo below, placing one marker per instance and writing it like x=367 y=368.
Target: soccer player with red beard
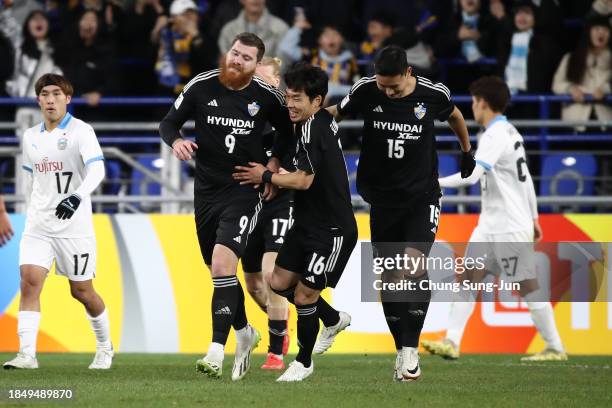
x=230 y=107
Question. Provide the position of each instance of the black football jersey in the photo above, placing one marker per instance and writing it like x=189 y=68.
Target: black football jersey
x=229 y=125
x=327 y=203
x=398 y=162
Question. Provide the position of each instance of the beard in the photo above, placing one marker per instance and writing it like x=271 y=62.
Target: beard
x=233 y=79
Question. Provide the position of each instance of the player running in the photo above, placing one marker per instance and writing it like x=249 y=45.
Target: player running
x=508 y=223
x=322 y=239
x=64 y=164
x=231 y=108
x=398 y=176
x=273 y=223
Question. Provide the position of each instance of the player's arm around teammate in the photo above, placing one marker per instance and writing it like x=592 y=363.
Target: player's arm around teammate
x=319 y=245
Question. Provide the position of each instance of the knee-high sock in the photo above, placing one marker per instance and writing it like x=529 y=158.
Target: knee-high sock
x=224 y=305
x=101 y=329
x=413 y=316
x=240 y=319
x=544 y=320
x=277 y=330
x=392 y=316
x=459 y=314
x=328 y=315
x=307 y=330
x=27 y=330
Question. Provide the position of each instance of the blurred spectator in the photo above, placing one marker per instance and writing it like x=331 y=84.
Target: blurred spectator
x=7 y=64
x=34 y=56
x=343 y=14
x=380 y=29
x=220 y=13
x=137 y=49
x=529 y=50
x=417 y=36
x=331 y=55
x=9 y=25
x=88 y=61
x=586 y=71
x=255 y=18
x=183 y=50
x=602 y=8
x=21 y=9
x=110 y=14
x=470 y=34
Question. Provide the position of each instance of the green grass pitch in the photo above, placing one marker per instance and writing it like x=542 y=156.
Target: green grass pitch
x=169 y=380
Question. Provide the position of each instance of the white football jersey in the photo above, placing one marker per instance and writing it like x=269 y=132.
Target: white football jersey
x=58 y=162
x=506 y=184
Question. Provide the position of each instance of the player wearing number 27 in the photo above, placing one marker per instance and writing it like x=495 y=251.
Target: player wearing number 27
x=508 y=223
x=64 y=163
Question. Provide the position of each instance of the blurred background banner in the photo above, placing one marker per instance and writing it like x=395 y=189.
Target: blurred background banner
x=158 y=290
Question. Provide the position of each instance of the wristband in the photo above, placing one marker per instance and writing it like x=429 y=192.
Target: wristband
x=266 y=177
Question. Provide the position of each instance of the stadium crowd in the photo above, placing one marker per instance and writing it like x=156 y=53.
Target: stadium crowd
x=153 y=47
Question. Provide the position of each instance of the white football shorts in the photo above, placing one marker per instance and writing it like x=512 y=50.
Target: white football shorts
x=508 y=255
x=75 y=258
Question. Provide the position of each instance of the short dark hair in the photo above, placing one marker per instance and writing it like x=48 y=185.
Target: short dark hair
x=251 y=40
x=391 y=61
x=308 y=78
x=493 y=90
x=54 y=79
x=383 y=18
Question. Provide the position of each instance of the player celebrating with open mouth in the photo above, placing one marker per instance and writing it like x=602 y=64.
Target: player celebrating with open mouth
x=324 y=234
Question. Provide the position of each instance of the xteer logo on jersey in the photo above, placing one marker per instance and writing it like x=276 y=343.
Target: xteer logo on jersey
x=46 y=166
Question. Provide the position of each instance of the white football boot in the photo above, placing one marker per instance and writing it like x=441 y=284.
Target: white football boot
x=22 y=361
x=296 y=372
x=328 y=334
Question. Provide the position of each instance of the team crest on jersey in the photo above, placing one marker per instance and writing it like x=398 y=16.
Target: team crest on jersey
x=253 y=108
x=62 y=143
x=420 y=110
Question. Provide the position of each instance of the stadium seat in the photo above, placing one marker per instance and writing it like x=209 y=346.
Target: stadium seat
x=352 y=160
x=141 y=185
x=447 y=165
x=113 y=177
x=567 y=174
x=6 y=187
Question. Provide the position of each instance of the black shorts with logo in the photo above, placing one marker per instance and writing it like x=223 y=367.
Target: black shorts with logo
x=415 y=225
x=273 y=224
x=227 y=218
x=319 y=255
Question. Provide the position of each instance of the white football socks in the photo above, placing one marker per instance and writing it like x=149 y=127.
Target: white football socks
x=242 y=335
x=460 y=312
x=101 y=328
x=216 y=352
x=27 y=330
x=544 y=319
